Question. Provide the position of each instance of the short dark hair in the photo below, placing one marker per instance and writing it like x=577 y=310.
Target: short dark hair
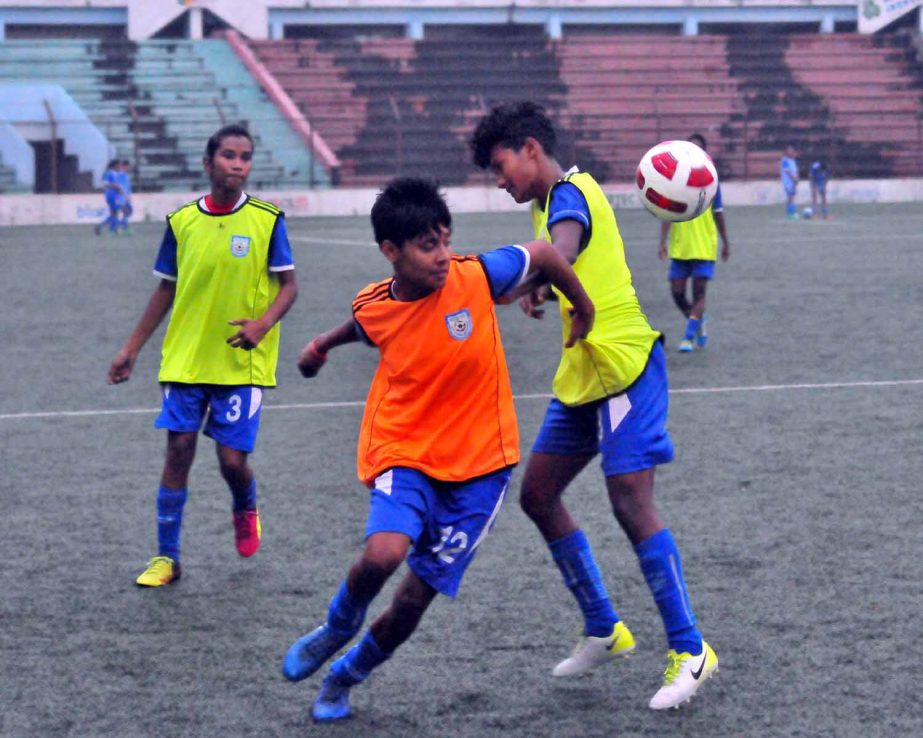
x=509 y=125
x=698 y=138
x=235 y=129
x=408 y=207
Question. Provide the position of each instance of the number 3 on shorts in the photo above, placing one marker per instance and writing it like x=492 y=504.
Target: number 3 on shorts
x=233 y=415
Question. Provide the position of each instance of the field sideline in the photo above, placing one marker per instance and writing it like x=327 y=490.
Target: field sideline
x=794 y=498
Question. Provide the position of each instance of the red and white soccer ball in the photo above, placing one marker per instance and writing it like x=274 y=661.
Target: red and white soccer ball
x=676 y=180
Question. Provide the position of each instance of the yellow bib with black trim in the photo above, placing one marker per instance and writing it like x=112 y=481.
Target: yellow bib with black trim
x=695 y=239
x=222 y=274
x=615 y=352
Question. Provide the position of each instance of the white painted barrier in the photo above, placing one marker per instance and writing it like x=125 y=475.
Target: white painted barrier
x=90 y=208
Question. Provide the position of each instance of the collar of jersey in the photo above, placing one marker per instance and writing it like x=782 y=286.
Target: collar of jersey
x=237 y=206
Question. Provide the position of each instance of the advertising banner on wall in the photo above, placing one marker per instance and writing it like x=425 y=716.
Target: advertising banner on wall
x=876 y=14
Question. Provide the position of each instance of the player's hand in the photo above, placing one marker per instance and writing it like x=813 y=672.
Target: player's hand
x=662 y=252
x=311 y=359
x=250 y=334
x=120 y=369
x=581 y=323
x=530 y=302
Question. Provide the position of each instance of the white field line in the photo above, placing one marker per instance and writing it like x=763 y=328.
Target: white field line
x=540 y=396
x=336 y=241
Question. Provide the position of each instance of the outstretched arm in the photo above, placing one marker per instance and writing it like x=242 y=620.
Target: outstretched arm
x=157 y=308
x=548 y=265
x=314 y=355
x=252 y=331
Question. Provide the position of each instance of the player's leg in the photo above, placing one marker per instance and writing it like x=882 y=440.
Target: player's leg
x=126 y=212
x=698 y=321
x=635 y=445
x=382 y=555
x=234 y=422
x=396 y=511
x=394 y=626
x=791 y=210
x=115 y=208
x=566 y=443
x=458 y=518
x=678 y=291
x=679 y=275
x=182 y=410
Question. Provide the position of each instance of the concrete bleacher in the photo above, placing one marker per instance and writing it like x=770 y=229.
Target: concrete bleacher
x=157 y=102
x=393 y=105
x=872 y=92
x=388 y=105
x=623 y=98
x=844 y=97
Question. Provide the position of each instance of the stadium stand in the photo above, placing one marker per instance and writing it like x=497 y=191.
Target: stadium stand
x=388 y=104
x=157 y=102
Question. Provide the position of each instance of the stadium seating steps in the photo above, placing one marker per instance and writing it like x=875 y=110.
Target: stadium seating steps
x=389 y=105
x=155 y=101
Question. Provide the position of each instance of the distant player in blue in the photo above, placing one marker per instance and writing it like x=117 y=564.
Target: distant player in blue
x=113 y=190
x=789 y=174
x=124 y=180
x=819 y=175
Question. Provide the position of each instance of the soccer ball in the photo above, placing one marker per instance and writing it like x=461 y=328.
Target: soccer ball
x=676 y=180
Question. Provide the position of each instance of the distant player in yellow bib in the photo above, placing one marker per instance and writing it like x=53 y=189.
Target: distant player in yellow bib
x=610 y=397
x=226 y=270
x=693 y=251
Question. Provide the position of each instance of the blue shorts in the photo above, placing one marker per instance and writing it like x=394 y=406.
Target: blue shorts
x=233 y=412
x=685 y=268
x=629 y=429
x=445 y=520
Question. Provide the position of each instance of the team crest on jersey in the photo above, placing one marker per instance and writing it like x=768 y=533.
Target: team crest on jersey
x=459 y=324
x=240 y=245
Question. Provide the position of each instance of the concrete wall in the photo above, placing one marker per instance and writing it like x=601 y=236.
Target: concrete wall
x=89 y=209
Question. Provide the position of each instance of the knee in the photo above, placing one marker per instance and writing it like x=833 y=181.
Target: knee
x=181 y=450
x=378 y=563
x=233 y=472
x=532 y=501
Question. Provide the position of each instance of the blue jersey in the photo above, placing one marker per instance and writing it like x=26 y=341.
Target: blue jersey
x=819 y=174
x=789 y=172
x=124 y=179
x=111 y=177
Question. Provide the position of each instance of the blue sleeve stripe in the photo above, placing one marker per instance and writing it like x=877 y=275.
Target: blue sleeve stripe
x=569 y=215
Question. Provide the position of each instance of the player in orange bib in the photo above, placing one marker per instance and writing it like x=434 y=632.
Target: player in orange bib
x=439 y=437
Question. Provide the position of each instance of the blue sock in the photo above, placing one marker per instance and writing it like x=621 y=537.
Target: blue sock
x=345 y=613
x=663 y=573
x=169 y=520
x=245 y=499
x=692 y=326
x=357 y=663
x=582 y=577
